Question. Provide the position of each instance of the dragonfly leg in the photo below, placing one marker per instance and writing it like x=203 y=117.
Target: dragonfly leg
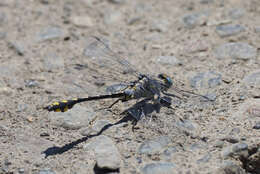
x=166 y=102
x=115 y=102
x=171 y=95
x=134 y=123
x=109 y=107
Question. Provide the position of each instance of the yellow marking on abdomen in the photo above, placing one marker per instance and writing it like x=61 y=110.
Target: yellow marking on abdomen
x=66 y=109
x=56 y=103
x=57 y=110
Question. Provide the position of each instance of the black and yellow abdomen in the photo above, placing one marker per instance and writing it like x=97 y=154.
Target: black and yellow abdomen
x=62 y=106
x=65 y=105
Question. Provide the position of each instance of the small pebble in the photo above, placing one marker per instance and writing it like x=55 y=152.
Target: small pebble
x=257 y=126
x=194 y=46
x=22 y=107
x=197 y=146
x=239 y=147
x=2 y=18
x=30 y=119
x=192 y=20
x=218 y=22
x=18 y=48
x=236 y=13
x=204 y=159
x=49 y=33
x=219 y=144
x=7 y=2
x=158 y=168
x=209 y=79
x=229 y=167
x=186 y=124
x=45 y=2
x=235 y=149
x=134 y=20
x=107 y=154
x=52 y=62
x=206 y=1
x=48 y=171
x=31 y=83
x=168 y=60
x=236 y=50
x=117 y=1
x=231 y=139
x=154 y=146
x=160 y=26
x=112 y=17
x=6 y=91
x=139 y=160
x=229 y=30
x=44 y=134
x=257 y=29
x=82 y=21
x=2 y=35
x=21 y=170
x=252 y=79
x=168 y=153
x=210 y=97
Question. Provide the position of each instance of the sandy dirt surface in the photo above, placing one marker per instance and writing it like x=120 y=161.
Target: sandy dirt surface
x=210 y=47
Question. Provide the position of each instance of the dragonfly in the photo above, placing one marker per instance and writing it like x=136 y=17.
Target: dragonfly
x=145 y=86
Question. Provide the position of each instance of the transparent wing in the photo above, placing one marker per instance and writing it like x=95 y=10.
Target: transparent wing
x=182 y=93
x=105 y=60
x=102 y=65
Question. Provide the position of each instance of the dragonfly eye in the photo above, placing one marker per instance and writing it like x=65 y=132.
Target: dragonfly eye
x=167 y=80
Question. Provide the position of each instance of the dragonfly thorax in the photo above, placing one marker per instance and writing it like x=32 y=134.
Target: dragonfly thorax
x=142 y=88
x=146 y=87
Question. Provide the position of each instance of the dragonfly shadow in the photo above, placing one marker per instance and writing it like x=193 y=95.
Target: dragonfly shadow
x=142 y=109
x=146 y=107
x=55 y=150
x=133 y=114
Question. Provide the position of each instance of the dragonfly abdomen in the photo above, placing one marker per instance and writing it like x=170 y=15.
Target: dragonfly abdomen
x=65 y=105
x=62 y=106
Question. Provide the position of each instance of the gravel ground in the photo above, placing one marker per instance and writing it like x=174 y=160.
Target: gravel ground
x=207 y=46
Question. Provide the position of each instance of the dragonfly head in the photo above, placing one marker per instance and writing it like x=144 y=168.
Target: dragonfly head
x=167 y=81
